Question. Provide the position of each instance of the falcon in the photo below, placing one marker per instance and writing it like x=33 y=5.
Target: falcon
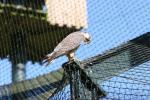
x=68 y=46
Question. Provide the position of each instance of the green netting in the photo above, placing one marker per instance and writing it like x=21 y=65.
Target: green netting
x=116 y=62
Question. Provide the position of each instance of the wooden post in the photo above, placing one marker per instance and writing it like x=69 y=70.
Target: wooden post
x=80 y=83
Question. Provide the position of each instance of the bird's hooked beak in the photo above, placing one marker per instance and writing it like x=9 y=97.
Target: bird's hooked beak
x=88 y=40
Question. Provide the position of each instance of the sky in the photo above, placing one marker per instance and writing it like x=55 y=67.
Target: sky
x=110 y=23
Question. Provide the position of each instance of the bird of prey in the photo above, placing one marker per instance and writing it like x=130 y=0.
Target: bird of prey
x=68 y=46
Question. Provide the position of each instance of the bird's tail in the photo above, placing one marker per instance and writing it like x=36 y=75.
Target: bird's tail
x=49 y=58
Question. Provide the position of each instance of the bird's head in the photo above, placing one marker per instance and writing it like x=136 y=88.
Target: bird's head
x=87 y=37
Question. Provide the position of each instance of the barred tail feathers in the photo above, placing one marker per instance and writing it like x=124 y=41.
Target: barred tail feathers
x=49 y=58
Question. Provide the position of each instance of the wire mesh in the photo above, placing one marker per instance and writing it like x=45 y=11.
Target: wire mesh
x=118 y=63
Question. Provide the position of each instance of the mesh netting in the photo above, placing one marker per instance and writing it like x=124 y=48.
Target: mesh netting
x=116 y=61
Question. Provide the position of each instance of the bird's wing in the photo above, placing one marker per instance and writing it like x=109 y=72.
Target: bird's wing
x=71 y=42
x=65 y=49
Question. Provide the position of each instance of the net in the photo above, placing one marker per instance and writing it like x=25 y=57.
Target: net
x=115 y=62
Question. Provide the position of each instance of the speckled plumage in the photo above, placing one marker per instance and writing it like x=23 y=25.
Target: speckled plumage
x=68 y=46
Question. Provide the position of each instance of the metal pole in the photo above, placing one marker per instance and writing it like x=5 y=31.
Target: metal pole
x=18 y=56
x=18 y=72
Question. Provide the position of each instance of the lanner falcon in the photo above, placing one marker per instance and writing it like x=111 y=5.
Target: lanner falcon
x=68 y=46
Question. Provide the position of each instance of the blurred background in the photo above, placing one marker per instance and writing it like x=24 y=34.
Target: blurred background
x=111 y=23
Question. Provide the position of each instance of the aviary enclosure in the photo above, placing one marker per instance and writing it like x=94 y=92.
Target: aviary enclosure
x=114 y=66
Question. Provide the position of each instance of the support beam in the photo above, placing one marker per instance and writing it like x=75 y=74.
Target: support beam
x=18 y=42
x=18 y=72
x=81 y=85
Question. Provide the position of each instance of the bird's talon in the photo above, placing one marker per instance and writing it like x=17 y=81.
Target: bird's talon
x=68 y=46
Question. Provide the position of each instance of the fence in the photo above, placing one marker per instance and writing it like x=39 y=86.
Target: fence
x=116 y=62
